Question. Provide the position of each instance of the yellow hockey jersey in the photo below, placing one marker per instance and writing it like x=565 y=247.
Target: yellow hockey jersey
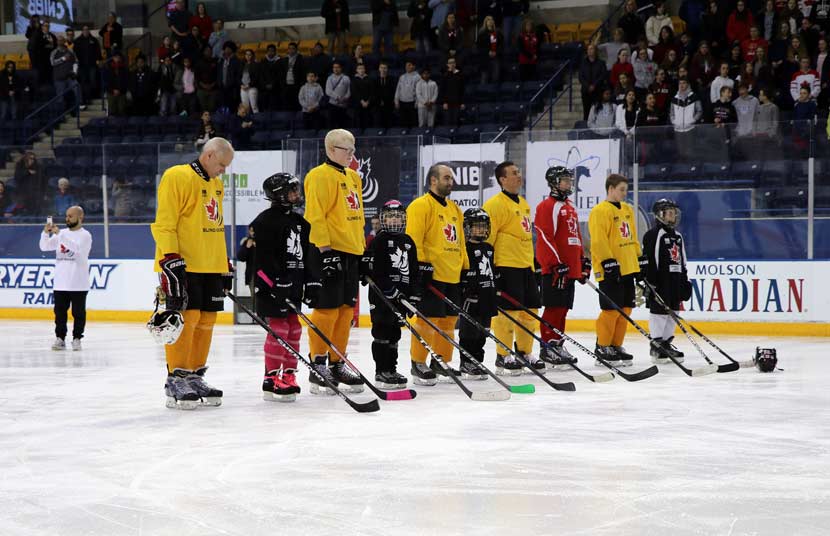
x=614 y=236
x=438 y=233
x=334 y=208
x=511 y=231
x=189 y=219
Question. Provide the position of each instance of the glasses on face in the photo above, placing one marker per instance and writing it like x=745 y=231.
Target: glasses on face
x=348 y=150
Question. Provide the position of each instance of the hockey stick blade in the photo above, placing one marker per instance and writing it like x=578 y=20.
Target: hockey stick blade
x=746 y=364
x=704 y=370
x=525 y=389
x=364 y=407
x=637 y=376
x=600 y=378
x=729 y=367
x=489 y=396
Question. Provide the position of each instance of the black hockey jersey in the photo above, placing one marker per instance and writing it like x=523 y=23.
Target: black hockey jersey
x=666 y=267
x=479 y=282
x=282 y=247
x=395 y=264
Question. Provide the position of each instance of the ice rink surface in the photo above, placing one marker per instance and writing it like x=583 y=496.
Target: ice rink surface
x=88 y=448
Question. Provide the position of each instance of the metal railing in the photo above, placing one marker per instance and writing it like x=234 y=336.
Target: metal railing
x=550 y=86
x=605 y=23
x=52 y=122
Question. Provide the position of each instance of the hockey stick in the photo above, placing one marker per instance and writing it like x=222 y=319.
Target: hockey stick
x=702 y=371
x=479 y=395
x=401 y=394
x=360 y=407
x=637 y=376
x=730 y=367
x=558 y=386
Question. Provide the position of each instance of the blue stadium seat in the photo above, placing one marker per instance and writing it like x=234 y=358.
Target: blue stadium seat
x=750 y=171
x=684 y=171
x=510 y=91
x=397 y=131
x=466 y=134
x=776 y=173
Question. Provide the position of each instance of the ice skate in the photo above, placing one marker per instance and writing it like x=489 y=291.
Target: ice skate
x=558 y=356
x=440 y=372
x=626 y=359
x=275 y=389
x=422 y=374
x=672 y=350
x=318 y=386
x=59 y=344
x=658 y=352
x=535 y=362
x=608 y=354
x=391 y=380
x=471 y=370
x=507 y=366
x=76 y=345
x=210 y=396
x=346 y=376
x=180 y=394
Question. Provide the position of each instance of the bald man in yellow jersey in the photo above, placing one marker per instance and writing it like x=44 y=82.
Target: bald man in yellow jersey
x=334 y=209
x=512 y=239
x=616 y=258
x=436 y=225
x=193 y=267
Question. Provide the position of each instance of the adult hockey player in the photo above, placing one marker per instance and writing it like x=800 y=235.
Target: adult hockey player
x=559 y=253
x=392 y=262
x=512 y=239
x=193 y=267
x=666 y=272
x=435 y=224
x=281 y=272
x=334 y=208
x=615 y=254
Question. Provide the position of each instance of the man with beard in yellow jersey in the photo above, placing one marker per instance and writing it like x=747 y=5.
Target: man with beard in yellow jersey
x=617 y=260
x=511 y=235
x=193 y=266
x=436 y=225
x=334 y=209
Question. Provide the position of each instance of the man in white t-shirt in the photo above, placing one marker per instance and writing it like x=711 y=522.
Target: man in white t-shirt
x=71 y=276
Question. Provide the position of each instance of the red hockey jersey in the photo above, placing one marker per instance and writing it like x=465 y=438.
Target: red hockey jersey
x=558 y=239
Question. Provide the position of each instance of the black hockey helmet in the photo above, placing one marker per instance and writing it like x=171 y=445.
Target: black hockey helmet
x=766 y=359
x=393 y=217
x=279 y=185
x=554 y=175
x=660 y=208
x=476 y=224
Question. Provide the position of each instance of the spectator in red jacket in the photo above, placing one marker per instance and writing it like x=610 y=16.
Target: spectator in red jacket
x=666 y=42
x=703 y=68
x=739 y=23
x=662 y=90
x=755 y=41
x=623 y=65
x=202 y=20
x=528 y=51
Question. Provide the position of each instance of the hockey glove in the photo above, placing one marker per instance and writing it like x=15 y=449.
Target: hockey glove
x=586 y=270
x=560 y=276
x=425 y=271
x=686 y=290
x=366 y=267
x=227 y=278
x=611 y=270
x=643 y=261
x=173 y=279
x=311 y=293
x=393 y=294
x=281 y=290
x=470 y=303
x=331 y=263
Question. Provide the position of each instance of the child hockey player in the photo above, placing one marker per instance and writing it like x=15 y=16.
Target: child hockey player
x=559 y=252
x=479 y=291
x=280 y=273
x=392 y=262
x=666 y=272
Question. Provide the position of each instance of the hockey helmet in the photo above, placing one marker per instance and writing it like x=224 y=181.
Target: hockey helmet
x=278 y=186
x=661 y=209
x=554 y=176
x=766 y=359
x=393 y=217
x=166 y=326
x=476 y=224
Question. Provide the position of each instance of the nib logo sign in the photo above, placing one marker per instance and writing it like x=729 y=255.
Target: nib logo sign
x=353 y=201
x=450 y=233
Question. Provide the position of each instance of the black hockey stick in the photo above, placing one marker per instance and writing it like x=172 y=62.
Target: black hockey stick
x=360 y=407
x=400 y=394
x=558 y=386
x=479 y=395
x=637 y=376
x=701 y=371
x=730 y=367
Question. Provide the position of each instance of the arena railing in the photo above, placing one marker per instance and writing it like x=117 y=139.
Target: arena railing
x=549 y=96
x=50 y=114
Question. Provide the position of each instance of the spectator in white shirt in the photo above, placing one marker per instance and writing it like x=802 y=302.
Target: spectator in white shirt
x=70 y=282
x=426 y=95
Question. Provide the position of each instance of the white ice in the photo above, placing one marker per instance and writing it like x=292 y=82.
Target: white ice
x=88 y=448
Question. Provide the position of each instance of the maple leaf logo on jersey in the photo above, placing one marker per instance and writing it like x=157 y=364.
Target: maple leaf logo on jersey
x=352 y=200
x=485 y=268
x=400 y=261
x=573 y=226
x=625 y=230
x=294 y=245
x=212 y=209
x=526 y=224
x=674 y=252
x=450 y=233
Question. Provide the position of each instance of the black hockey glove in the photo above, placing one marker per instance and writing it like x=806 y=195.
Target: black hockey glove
x=586 y=270
x=470 y=303
x=331 y=263
x=173 y=279
x=610 y=270
x=311 y=293
x=366 y=267
x=393 y=294
x=281 y=291
x=425 y=271
x=560 y=275
x=227 y=278
x=643 y=261
x=686 y=290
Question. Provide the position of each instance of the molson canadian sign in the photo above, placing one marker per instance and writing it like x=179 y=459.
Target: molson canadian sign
x=747 y=288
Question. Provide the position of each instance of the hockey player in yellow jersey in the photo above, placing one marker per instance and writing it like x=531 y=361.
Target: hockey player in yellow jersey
x=616 y=259
x=436 y=225
x=334 y=209
x=193 y=267
x=512 y=239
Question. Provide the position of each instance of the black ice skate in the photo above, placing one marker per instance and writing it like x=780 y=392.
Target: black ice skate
x=659 y=355
x=440 y=372
x=535 y=362
x=422 y=374
x=672 y=350
x=471 y=370
x=626 y=359
x=345 y=376
x=274 y=389
x=180 y=394
x=209 y=395
x=507 y=366
x=390 y=379
x=608 y=354
x=557 y=355
x=318 y=386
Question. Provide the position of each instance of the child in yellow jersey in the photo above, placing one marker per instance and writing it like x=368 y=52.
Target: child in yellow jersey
x=615 y=256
